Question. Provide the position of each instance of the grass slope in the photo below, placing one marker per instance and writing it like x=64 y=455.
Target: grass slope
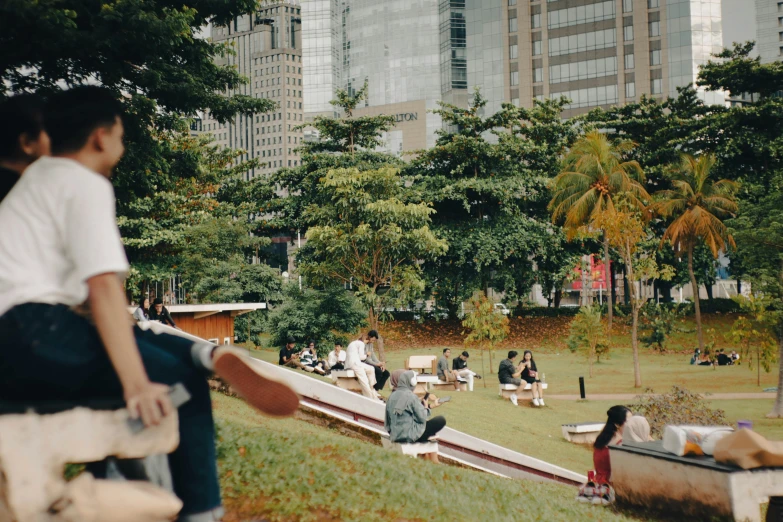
x=290 y=470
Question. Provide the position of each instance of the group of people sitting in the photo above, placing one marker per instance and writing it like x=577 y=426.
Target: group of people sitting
x=526 y=370
x=157 y=312
x=459 y=372
x=621 y=425
x=721 y=358
x=358 y=356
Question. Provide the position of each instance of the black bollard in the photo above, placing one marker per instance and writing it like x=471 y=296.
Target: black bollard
x=582 y=387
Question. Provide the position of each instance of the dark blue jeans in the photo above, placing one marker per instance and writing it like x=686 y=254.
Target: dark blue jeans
x=47 y=352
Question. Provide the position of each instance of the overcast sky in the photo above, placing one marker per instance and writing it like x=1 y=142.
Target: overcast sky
x=739 y=21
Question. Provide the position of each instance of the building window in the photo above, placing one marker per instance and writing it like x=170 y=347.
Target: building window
x=627 y=6
x=538 y=75
x=630 y=90
x=628 y=33
x=535 y=21
x=655 y=29
x=653 y=4
x=582 y=14
x=513 y=51
x=780 y=6
x=780 y=36
x=656 y=86
x=515 y=102
x=780 y=52
x=595 y=68
x=780 y=20
x=537 y=48
x=512 y=2
x=582 y=42
x=515 y=78
x=512 y=25
x=629 y=61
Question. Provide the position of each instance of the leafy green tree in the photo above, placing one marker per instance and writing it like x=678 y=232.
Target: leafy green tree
x=587 y=334
x=659 y=322
x=325 y=316
x=754 y=331
x=697 y=206
x=486 y=327
x=369 y=234
x=594 y=173
x=486 y=177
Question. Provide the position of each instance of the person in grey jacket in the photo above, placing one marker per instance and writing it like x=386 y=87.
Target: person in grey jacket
x=406 y=418
x=142 y=313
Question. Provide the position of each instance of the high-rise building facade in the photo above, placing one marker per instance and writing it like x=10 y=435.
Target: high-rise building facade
x=600 y=53
x=769 y=30
x=320 y=55
x=267 y=49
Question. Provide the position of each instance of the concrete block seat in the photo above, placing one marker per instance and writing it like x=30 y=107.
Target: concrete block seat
x=523 y=393
x=583 y=432
x=413 y=449
x=449 y=386
x=346 y=379
x=38 y=439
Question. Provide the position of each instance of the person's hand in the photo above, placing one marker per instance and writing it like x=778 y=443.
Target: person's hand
x=383 y=366
x=150 y=402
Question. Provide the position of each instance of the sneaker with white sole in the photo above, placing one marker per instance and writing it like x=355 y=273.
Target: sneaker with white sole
x=514 y=400
x=541 y=402
x=535 y=402
x=269 y=396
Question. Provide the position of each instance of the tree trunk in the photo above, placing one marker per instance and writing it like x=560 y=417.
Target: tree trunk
x=608 y=275
x=483 y=372
x=558 y=297
x=777 y=409
x=708 y=288
x=491 y=366
x=626 y=288
x=695 y=287
x=739 y=286
x=372 y=318
x=637 y=371
x=379 y=345
x=590 y=360
x=613 y=284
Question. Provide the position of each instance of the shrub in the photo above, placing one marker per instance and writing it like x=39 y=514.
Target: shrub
x=588 y=335
x=543 y=311
x=658 y=322
x=677 y=407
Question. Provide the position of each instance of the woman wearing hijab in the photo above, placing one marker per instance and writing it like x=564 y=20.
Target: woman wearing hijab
x=406 y=417
x=429 y=400
x=637 y=429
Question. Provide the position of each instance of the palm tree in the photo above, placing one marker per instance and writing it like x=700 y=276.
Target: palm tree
x=593 y=174
x=697 y=205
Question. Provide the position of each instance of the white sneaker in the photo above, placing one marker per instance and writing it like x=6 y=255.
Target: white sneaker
x=535 y=402
x=541 y=402
x=514 y=400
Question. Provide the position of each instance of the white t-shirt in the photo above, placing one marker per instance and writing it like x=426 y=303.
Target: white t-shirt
x=333 y=358
x=352 y=353
x=58 y=228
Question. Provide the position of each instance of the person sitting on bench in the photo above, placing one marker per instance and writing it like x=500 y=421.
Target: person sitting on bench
x=510 y=373
x=59 y=247
x=336 y=358
x=369 y=358
x=444 y=373
x=22 y=138
x=406 y=417
x=364 y=373
x=531 y=376
x=429 y=400
x=459 y=367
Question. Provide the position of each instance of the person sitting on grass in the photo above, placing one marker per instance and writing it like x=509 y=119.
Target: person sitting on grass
x=705 y=359
x=696 y=356
x=530 y=375
x=336 y=358
x=309 y=358
x=59 y=247
x=406 y=417
x=459 y=367
x=734 y=357
x=723 y=359
x=289 y=356
x=511 y=373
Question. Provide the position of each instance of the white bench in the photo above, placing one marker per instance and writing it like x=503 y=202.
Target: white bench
x=422 y=364
x=346 y=379
x=582 y=433
x=524 y=393
x=35 y=448
x=413 y=449
x=441 y=385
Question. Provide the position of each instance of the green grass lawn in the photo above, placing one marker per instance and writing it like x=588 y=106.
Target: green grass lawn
x=537 y=432
x=291 y=470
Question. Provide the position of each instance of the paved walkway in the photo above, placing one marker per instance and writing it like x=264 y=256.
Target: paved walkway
x=632 y=396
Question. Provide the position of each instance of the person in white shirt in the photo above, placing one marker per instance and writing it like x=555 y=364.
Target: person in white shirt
x=59 y=247
x=365 y=373
x=336 y=358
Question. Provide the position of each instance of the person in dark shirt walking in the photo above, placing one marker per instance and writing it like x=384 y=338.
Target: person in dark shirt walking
x=22 y=138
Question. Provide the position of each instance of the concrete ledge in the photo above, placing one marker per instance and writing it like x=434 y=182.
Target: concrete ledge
x=524 y=393
x=411 y=449
x=582 y=433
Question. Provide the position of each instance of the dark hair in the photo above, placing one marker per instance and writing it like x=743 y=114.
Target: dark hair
x=372 y=333
x=72 y=115
x=616 y=417
x=310 y=342
x=466 y=354
x=512 y=354
x=290 y=340
x=338 y=343
x=532 y=361
x=20 y=114
x=446 y=350
x=157 y=301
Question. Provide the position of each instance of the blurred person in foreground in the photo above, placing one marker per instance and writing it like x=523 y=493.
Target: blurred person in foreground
x=22 y=138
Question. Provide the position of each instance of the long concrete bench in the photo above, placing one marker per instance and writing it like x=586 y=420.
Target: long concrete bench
x=697 y=488
x=523 y=393
x=582 y=433
x=34 y=448
x=422 y=364
x=414 y=449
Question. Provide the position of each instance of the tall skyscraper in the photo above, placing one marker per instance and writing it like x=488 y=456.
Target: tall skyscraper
x=268 y=51
x=320 y=55
x=769 y=30
x=605 y=52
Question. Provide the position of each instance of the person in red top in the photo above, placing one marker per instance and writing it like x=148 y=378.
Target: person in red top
x=611 y=434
